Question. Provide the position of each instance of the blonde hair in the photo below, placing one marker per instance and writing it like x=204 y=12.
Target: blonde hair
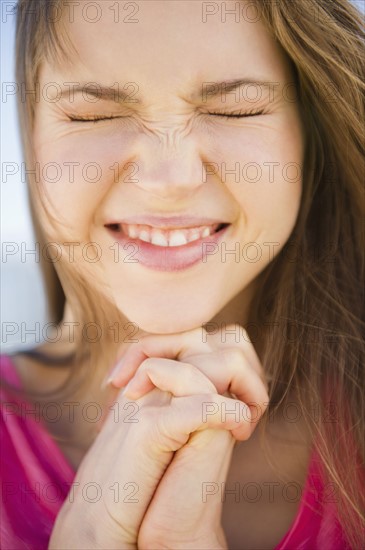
x=320 y=294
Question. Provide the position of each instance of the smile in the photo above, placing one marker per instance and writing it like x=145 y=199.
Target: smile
x=168 y=249
x=164 y=237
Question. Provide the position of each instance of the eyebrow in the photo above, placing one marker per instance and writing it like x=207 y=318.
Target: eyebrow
x=117 y=95
x=107 y=93
x=214 y=89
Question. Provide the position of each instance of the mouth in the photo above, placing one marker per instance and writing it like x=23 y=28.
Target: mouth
x=168 y=248
x=165 y=237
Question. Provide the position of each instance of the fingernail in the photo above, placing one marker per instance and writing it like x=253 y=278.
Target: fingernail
x=129 y=388
x=126 y=388
x=110 y=377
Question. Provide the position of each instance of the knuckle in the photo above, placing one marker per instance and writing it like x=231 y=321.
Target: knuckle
x=210 y=397
x=147 y=364
x=190 y=371
x=208 y=401
x=196 y=378
x=233 y=357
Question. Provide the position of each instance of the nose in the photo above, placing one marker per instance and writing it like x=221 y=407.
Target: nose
x=169 y=165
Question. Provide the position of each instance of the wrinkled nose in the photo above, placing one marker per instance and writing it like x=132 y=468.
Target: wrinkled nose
x=168 y=165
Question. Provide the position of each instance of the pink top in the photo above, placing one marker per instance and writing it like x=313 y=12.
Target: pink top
x=36 y=477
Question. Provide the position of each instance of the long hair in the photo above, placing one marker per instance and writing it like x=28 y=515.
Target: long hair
x=307 y=316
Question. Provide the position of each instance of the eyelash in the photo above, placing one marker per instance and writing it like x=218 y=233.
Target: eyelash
x=93 y=119
x=238 y=114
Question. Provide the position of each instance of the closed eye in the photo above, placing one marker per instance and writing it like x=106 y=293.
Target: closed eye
x=239 y=114
x=91 y=119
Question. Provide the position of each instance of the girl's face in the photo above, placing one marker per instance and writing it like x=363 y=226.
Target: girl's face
x=153 y=73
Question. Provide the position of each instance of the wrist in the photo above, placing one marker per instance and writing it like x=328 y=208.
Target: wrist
x=80 y=534
x=211 y=541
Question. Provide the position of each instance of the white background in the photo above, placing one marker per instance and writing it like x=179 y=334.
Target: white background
x=22 y=293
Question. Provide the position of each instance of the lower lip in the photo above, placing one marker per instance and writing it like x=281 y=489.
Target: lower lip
x=170 y=258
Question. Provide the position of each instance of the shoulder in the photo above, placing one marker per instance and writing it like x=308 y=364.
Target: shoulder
x=32 y=370
x=8 y=371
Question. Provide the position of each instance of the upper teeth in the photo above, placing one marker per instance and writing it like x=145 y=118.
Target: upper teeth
x=168 y=237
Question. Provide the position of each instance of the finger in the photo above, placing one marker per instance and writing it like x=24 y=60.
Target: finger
x=194 y=493
x=181 y=346
x=234 y=335
x=230 y=370
x=168 y=426
x=168 y=375
x=201 y=412
x=225 y=370
x=169 y=346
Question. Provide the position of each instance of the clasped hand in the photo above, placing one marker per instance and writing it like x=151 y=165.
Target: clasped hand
x=197 y=393
x=195 y=363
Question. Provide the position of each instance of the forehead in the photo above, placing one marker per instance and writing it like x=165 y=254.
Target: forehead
x=178 y=43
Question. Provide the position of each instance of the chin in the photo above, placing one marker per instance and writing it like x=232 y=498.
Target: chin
x=167 y=324
x=167 y=328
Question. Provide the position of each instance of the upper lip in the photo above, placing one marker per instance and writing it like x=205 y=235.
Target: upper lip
x=167 y=222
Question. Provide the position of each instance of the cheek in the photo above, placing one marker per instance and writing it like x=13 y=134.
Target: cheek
x=75 y=172
x=263 y=171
